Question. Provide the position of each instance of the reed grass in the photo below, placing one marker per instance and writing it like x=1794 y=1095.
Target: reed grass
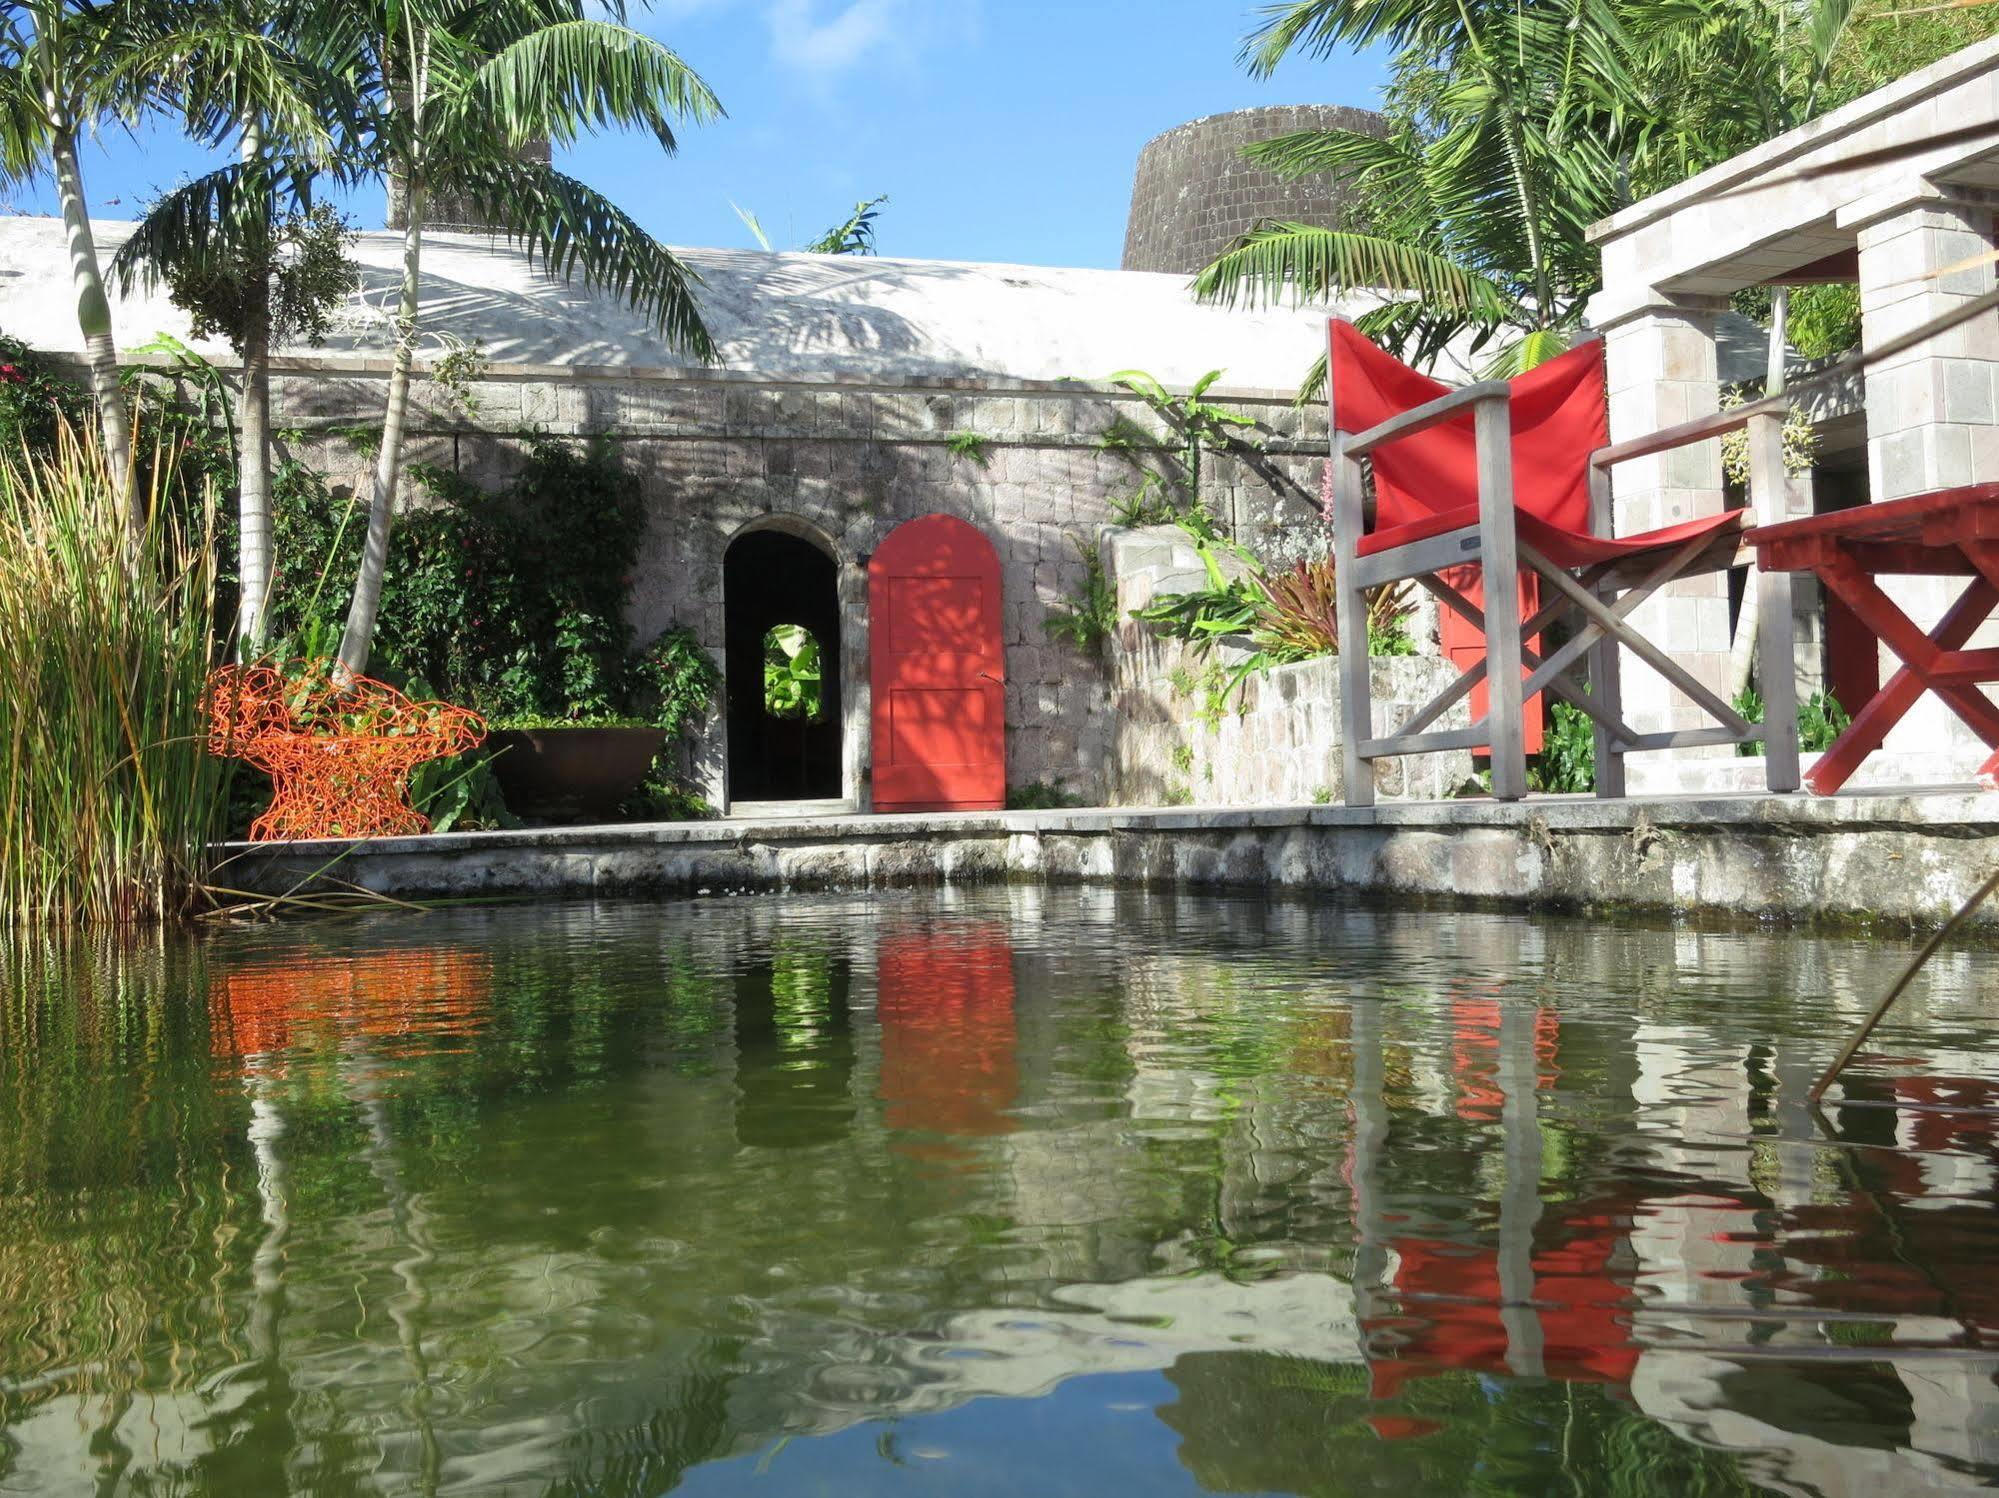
x=110 y=799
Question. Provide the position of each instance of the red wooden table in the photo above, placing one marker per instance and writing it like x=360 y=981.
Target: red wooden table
x=1950 y=533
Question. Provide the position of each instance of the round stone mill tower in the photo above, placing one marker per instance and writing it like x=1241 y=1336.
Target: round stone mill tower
x=1195 y=193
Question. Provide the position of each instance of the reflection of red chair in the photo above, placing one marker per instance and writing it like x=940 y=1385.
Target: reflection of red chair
x=945 y=1005
x=339 y=754
x=1512 y=479
x=1452 y=1318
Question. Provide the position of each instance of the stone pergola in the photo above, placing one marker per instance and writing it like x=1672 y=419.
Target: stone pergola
x=1896 y=191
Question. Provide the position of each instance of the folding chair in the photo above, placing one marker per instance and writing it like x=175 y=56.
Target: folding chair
x=1513 y=478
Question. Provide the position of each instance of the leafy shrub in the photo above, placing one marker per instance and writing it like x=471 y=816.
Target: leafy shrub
x=1087 y=619
x=1566 y=764
x=794 y=685
x=1820 y=720
x=1041 y=795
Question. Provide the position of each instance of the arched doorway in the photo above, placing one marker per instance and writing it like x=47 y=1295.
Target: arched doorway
x=782 y=634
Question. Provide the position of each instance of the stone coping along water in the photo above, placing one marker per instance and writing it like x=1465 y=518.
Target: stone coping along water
x=1902 y=859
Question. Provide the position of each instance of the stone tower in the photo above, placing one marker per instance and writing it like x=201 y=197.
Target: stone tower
x=1195 y=193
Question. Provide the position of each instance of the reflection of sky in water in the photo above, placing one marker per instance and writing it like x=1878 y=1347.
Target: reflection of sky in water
x=1008 y=1192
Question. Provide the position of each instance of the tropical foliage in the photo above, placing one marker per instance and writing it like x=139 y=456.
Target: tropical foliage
x=1512 y=128
x=1276 y=616
x=854 y=235
x=1500 y=150
x=794 y=681
x=1088 y=618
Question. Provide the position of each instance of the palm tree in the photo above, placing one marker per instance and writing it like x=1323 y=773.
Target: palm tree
x=242 y=247
x=68 y=67
x=1472 y=207
x=65 y=67
x=458 y=90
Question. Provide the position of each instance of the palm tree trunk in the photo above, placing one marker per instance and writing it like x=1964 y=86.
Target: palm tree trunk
x=253 y=453
x=253 y=479
x=359 y=637
x=93 y=318
x=1742 y=649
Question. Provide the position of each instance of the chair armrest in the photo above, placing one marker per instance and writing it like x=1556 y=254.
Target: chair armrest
x=1700 y=429
x=1429 y=414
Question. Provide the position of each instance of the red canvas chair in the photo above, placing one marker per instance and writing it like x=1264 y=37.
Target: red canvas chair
x=1512 y=478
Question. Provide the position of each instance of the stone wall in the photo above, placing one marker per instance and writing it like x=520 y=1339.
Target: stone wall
x=1185 y=735
x=1883 y=861
x=842 y=463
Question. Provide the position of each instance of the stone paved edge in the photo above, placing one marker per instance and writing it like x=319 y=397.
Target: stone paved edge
x=1880 y=860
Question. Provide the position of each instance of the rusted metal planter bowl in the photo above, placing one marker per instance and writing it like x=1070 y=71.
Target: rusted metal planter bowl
x=571 y=774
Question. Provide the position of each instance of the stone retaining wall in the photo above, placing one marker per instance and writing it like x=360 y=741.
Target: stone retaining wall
x=1881 y=860
x=1184 y=735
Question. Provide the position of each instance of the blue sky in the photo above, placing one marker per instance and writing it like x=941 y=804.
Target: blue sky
x=1000 y=129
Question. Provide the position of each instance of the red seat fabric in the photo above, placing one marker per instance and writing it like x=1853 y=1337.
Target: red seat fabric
x=1427 y=484
x=1563 y=548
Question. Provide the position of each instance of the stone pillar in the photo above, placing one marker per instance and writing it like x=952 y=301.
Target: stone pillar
x=1932 y=412
x=1662 y=370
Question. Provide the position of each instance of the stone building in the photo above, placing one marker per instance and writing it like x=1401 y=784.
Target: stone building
x=851 y=396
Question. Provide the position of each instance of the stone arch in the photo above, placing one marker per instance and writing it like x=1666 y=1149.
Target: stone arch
x=783 y=570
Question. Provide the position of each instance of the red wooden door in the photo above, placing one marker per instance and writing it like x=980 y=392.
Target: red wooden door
x=1464 y=646
x=937 y=668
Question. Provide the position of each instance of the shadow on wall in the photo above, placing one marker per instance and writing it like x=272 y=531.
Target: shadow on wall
x=764 y=311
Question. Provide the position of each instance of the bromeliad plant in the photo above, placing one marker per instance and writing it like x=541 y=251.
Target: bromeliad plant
x=1281 y=618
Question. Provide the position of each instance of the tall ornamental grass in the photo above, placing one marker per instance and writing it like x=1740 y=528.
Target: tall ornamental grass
x=110 y=799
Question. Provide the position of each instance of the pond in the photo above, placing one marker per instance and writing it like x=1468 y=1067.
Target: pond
x=1009 y=1192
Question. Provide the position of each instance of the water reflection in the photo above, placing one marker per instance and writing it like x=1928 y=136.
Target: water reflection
x=1017 y=1190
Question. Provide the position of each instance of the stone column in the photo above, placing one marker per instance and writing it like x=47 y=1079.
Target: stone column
x=1932 y=412
x=1932 y=421
x=1662 y=370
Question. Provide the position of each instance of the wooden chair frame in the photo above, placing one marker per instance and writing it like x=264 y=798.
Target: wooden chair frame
x=1600 y=598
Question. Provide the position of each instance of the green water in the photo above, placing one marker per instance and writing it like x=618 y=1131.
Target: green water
x=1075 y=1193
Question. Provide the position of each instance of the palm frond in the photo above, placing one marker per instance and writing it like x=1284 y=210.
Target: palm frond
x=1276 y=261
x=207 y=219
x=573 y=230
x=1303 y=153
x=1534 y=347
x=561 y=81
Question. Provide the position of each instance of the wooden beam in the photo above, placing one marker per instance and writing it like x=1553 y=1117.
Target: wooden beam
x=1431 y=554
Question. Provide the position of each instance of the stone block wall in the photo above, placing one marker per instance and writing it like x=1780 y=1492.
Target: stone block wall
x=842 y=463
x=1184 y=736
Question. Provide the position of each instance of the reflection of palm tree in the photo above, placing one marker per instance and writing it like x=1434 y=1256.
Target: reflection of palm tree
x=361 y=1076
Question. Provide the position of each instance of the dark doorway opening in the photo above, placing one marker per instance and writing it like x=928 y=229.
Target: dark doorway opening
x=782 y=598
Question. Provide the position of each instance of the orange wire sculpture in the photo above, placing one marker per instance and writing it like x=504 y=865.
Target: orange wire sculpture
x=339 y=754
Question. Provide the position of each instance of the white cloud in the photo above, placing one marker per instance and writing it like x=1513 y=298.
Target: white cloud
x=822 y=41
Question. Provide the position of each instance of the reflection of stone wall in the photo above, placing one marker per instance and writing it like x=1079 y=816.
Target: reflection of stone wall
x=845 y=463
x=1180 y=736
